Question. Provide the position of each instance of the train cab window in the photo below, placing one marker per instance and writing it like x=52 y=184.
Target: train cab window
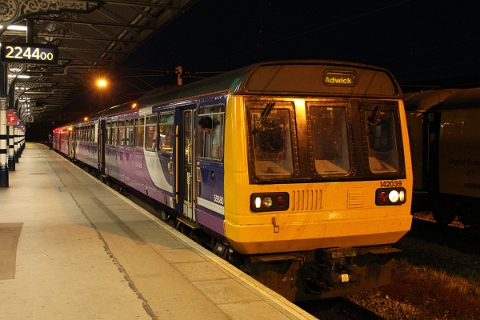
x=139 y=132
x=121 y=133
x=129 y=133
x=380 y=128
x=166 y=133
x=328 y=133
x=151 y=133
x=210 y=132
x=271 y=138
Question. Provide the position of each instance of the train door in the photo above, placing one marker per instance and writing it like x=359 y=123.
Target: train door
x=102 y=134
x=188 y=162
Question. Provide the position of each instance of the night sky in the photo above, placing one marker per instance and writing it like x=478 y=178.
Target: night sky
x=420 y=41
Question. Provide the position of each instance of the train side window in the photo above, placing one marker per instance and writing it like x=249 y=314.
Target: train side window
x=151 y=133
x=380 y=127
x=328 y=132
x=108 y=128
x=166 y=133
x=121 y=133
x=210 y=134
x=129 y=133
x=139 y=132
x=114 y=133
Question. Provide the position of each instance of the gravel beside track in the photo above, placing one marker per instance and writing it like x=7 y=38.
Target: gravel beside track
x=429 y=281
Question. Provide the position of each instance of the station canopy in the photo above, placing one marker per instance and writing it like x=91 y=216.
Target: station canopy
x=51 y=48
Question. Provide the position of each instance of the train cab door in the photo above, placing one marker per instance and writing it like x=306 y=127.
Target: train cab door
x=188 y=163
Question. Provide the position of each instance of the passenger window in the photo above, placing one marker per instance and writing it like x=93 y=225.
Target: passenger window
x=151 y=130
x=114 y=133
x=380 y=126
x=109 y=133
x=121 y=133
x=139 y=133
x=166 y=133
x=129 y=133
x=328 y=133
x=271 y=138
x=210 y=134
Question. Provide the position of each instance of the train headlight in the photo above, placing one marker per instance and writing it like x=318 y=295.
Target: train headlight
x=267 y=202
x=390 y=196
x=276 y=201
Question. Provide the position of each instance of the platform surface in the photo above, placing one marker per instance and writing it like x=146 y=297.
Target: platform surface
x=73 y=248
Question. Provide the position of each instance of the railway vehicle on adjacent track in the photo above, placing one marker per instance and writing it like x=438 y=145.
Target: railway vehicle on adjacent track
x=303 y=180
x=445 y=146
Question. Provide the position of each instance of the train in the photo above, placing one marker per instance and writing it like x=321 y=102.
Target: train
x=297 y=172
x=445 y=148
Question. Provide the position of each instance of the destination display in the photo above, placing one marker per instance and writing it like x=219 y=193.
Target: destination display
x=347 y=79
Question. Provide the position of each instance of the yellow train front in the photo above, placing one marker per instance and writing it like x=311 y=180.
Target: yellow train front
x=317 y=177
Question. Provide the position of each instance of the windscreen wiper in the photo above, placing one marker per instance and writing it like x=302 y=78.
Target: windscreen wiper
x=373 y=119
x=263 y=116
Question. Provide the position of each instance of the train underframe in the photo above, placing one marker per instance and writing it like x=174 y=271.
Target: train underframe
x=323 y=273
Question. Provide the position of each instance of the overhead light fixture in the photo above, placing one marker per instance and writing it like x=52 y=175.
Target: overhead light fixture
x=15 y=28
x=19 y=76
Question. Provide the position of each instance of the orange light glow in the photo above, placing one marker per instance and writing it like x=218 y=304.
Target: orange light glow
x=134 y=105
x=85 y=119
x=102 y=83
x=70 y=128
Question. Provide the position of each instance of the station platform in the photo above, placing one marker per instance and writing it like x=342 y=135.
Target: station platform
x=73 y=248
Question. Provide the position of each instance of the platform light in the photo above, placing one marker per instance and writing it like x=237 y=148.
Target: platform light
x=101 y=83
x=15 y=28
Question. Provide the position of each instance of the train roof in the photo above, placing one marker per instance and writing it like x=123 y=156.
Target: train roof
x=425 y=100
x=288 y=77
x=463 y=99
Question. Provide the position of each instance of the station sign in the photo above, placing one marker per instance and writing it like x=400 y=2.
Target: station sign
x=28 y=53
x=12 y=119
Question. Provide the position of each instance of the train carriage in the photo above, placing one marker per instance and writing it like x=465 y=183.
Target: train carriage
x=62 y=140
x=445 y=143
x=302 y=179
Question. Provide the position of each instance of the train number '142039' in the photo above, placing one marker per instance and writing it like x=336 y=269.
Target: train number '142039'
x=390 y=184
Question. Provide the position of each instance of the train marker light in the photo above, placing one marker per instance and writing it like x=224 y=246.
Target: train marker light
x=258 y=202
x=281 y=201
x=382 y=197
